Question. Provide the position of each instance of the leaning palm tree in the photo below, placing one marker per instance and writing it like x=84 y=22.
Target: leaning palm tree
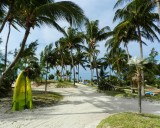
x=12 y=21
x=4 y=16
x=94 y=35
x=35 y=13
x=72 y=40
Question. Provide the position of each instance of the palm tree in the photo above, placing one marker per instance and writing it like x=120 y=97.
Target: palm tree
x=119 y=59
x=72 y=40
x=139 y=15
x=12 y=20
x=5 y=17
x=89 y=55
x=94 y=35
x=80 y=61
x=47 y=59
x=28 y=56
x=35 y=13
x=61 y=52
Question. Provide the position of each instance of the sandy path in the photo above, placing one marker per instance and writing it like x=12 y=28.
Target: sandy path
x=82 y=107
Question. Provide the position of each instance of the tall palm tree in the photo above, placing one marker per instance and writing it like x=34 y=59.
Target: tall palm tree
x=12 y=21
x=94 y=35
x=80 y=61
x=35 y=13
x=72 y=40
x=90 y=59
x=47 y=58
x=61 y=53
x=140 y=16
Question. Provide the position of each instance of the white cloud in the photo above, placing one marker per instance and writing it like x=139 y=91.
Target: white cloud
x=101 y=10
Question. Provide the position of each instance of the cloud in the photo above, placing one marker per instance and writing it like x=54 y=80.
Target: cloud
x=101 y=10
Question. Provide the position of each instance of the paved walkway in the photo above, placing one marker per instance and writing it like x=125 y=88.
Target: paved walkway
x=82 y=107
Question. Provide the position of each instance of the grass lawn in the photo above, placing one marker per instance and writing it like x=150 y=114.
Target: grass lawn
x=65 y=84
x=126 y=92
x=40 y=99
x=130 y=120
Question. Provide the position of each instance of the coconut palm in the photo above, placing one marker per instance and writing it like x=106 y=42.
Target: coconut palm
x=140 y=16
x=90 y=59
x=61 y=53
x=119 y=59
x=28 y=56
x=72 y=40
x=80 y=61
x=12 y=21
x=47 y=57
x=4 y=16
x=94 y=35
x=35 y=13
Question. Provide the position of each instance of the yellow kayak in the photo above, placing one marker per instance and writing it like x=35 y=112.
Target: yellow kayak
x=22 y=97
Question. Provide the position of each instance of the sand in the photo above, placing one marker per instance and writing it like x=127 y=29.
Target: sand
x=81 y=107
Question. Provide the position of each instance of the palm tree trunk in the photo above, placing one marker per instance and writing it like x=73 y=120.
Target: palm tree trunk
x=127 y=51
x=71 y=73
x=97 y=74
x=73 y=67
x=6 y=46
x=140 y=87
x=96 y=69
x=91 y=74
x=110 y=72
x=17 y=56
x=141 y=53
x=8 y=14
x=78 y=73
x=139 y=94
x=46 y=79
x=91 y=68
x=61 y=73
x=62 y=68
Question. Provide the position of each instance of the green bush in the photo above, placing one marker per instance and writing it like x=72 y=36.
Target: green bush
x=105 y=85
x=5 y=85
x=51 y=77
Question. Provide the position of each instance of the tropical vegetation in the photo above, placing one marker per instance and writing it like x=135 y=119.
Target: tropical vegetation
x=78 y=47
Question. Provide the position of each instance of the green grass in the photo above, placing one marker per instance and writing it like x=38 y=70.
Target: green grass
x=126 y=92
x=42 y=99
x=121 y=92
x=65 y=84
x=130 y=120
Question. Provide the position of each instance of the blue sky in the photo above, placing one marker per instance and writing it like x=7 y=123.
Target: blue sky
x=101 y=10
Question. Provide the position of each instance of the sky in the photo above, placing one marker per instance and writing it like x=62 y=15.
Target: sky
x=101 y=10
